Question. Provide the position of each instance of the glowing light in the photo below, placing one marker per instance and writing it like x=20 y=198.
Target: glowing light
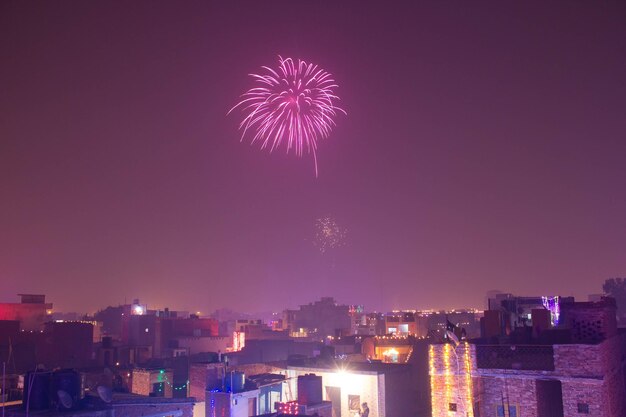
x=447 y=351
x=290 y=407
x=293 y=104
x=391 y=355
x=239 y=341
x=552 y=304
x=450 y=371
x=468 y=381
x=138 y=310
x=431 y=371
x=329 y=234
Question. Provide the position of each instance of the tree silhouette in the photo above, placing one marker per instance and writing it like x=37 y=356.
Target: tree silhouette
x=616 y=288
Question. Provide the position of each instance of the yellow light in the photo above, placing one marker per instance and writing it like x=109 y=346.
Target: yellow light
x=468 y=380
x=447 y=349
x=431 y=365
x=391 y=351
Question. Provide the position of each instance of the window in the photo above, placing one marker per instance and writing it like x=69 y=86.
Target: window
x=452 y=407
x=583 y=408
x=512 y=411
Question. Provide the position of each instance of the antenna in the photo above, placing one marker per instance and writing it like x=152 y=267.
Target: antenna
x=105 y=393
x=65 y=399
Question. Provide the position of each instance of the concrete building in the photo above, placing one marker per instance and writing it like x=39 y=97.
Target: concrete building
x=67 y=344
x=402 y=323
x=32 y=312
x=467 y=322
x=234 y=395
x=203 y=344
x=121 y=405
x=386 y=388
x=388 y=349
x=263 y=351
x=319 y=319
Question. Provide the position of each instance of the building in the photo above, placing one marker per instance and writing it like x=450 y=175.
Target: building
x=264 y=351
x=386 y=388
x=153 y=382
x=467 y=322
x=516 y=311
x=405 y=323
x=32 y=312
x=581 y=374
x=234 y=395
x=67 y=344
x=319 y=319
x=388 y=349
x=120 y=405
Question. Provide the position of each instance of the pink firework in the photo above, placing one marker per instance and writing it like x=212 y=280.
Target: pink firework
x=293 y=105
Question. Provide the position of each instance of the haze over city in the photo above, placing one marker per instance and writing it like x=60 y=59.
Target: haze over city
x=483 y=148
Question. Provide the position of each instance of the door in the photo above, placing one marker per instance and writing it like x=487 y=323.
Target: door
x=333 y=394
x=549 y=398
x=252 y=407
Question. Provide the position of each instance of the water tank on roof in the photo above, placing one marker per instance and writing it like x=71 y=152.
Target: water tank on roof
x=309 y=389
x=37 y=390
x=69 y=381
x=234 y=381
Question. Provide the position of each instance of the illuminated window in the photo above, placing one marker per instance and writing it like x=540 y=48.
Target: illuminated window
x=583 y=408
x=452 y=407
x=512 y=411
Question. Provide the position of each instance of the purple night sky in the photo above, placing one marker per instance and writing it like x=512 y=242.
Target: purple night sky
x=484 y=148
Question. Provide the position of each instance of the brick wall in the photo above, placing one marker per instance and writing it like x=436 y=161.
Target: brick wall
x=141 y=382
x=510 y=391
x=593 y=375
x=451 y=384
x=578 y=360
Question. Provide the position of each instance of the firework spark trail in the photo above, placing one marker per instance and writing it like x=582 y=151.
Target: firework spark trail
x=329 y=234
x=294 y=104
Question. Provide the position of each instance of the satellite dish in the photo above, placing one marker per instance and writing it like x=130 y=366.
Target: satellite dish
x=105 y=393
x=108 y=372
x=65 y=399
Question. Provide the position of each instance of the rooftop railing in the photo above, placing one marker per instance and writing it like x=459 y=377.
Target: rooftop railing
x=518 y=357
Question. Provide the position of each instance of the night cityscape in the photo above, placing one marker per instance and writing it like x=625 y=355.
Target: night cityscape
x=332 y=209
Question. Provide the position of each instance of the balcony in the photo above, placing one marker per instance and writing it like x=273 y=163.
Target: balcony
x=517 y=357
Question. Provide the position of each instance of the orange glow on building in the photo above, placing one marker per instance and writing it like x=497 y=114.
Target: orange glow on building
x=239 y=341
x=451 y=385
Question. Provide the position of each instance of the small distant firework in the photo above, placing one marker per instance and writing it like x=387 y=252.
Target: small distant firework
x=329 y=234
x=294 y=104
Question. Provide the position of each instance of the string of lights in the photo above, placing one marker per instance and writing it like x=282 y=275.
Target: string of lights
x=163 y=378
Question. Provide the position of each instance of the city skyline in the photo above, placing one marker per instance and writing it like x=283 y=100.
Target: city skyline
x=483 y=149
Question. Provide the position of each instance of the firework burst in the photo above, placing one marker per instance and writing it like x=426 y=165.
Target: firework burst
x=329 y=234
x=293 y=105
